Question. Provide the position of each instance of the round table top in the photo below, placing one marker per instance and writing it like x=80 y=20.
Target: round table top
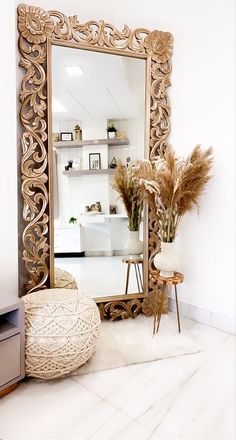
x=178 y=278
x=132 y=260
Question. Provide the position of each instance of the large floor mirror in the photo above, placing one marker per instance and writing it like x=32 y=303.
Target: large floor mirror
x=92 y=96
x=91 y=93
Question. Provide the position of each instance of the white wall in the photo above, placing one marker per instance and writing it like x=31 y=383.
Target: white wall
x=203 y=110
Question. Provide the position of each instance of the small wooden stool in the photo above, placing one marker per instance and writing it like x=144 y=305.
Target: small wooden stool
x=165 y=282
x=135 y=262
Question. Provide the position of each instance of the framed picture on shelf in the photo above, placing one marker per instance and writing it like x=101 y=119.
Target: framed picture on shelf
x=112 y=209
x=66 y=136
x=94 y=161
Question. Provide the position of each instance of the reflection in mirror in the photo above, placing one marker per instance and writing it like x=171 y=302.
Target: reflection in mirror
x=98 y=119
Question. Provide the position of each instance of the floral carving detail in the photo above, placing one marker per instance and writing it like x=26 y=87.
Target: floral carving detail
x=35 y=24
x=154 y=302
x=159 y=45
x=113 y=310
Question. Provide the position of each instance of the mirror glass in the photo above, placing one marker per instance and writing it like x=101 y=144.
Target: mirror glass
x=98 y=118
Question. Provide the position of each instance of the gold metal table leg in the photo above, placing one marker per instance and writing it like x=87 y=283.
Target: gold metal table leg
x=127 y=278
x=164 y=291
x=177 y=308
x=155 y=314
x=140 y=277
x=136 y=273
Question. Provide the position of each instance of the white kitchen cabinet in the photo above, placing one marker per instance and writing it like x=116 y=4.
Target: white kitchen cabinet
x=68 y=239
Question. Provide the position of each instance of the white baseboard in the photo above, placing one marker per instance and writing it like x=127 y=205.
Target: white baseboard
x=120 y=253
x=203 y=316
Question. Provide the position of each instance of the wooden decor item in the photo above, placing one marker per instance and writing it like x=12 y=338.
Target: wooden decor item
x=39 y=30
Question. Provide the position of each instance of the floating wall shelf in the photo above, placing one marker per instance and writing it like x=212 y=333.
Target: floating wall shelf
x=78 y=173
x=77 y=144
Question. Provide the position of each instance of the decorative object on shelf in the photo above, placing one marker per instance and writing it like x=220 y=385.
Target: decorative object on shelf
x=121 y=135
x=61 y=329
x=113 y=163
x=95 y=207
x=127 y=185
x=64 y=280
x=55 y=137
x=77 y=133
x=66 y=136
x=128 y=161
x=69 y=165
x=173 y=186
x=73 y=220
x=112 y=209
x=111 y=131
x=76 y=165
x=94 y=161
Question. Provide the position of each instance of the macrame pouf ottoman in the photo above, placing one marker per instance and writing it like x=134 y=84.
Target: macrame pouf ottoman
x=61 y=329
x=64 y=280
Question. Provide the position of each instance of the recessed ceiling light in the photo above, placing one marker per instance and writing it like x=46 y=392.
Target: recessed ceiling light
x=74 y=70
x=57 y=106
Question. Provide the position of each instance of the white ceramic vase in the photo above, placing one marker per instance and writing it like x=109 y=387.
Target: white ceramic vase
x=167 y=261
x=111 y=134
x=135 y=246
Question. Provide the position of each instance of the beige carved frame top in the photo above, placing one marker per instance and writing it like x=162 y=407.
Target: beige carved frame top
x=38 y=29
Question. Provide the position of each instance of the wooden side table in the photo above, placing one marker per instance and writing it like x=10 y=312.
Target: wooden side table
x=164 y=283
x=135 y=262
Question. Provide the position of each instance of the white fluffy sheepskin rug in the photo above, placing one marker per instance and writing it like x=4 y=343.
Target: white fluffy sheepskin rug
x=131 y=341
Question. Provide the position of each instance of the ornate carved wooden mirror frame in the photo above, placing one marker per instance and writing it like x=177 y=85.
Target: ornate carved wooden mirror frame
x=38 y=30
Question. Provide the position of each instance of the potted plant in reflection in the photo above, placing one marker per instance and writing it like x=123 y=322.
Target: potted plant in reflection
x=73 y=220
x=127 y=186
x=173 y=187
x=111 y=131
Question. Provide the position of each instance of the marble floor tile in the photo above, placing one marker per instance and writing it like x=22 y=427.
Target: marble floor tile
x=113 y=427
x=203 y=406
x=86 y=426
x=123 y=381
x=148 y=401
x=44 y=410
x=109 y=275
x=131 y=389
x=105 y=382
x=134 y=431
x=155 y=388
x=189 y=397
